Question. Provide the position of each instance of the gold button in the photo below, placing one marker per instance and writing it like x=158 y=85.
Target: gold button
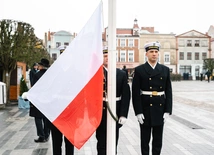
x=150 y=78
x=160 y=104
x=150 y=87
x=150 y=105
x=161 y=78
x=160 y=87
x=150 y=95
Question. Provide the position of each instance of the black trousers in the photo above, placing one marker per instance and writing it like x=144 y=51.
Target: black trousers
x=57 y=138
x=145 y=135
x=42 y=128
x=208 y=78
x=101 y=134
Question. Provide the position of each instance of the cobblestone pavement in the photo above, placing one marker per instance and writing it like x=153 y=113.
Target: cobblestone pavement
x=189 y=131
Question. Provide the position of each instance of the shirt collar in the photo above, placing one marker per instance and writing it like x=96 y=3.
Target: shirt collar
x=105 y=68
x=153 y=66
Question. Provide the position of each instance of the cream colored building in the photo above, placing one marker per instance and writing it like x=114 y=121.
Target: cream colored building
x=211 y=34
x=167 y=54
x=192 y=48
x=53 y=40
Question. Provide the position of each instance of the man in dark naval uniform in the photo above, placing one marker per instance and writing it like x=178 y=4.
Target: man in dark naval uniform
x=152 y=99
x=122 y=105
x=41 y=121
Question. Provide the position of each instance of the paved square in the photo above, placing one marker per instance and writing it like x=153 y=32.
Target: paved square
x=189 y=131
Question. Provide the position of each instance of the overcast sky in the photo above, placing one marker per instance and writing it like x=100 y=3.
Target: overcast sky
x=177 y=16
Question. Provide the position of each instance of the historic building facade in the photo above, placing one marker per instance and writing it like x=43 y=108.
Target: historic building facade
x=192 y=48
x=211 y=34
x=167 y=53
x=183 y=54
x=53 y=40
x=127 y=46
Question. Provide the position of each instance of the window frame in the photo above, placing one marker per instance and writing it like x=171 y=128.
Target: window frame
x=129 y=56
x=181 y=55
x=122 y=56
x=122 y=42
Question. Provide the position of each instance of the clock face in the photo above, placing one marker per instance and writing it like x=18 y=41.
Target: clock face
x=135 y=31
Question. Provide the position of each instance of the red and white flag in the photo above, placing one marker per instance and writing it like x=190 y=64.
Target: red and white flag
x=69 y=94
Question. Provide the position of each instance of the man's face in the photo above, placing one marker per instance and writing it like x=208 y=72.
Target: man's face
x=152 y=55
x=105 y=60
x=40 y=67
x=35 y=67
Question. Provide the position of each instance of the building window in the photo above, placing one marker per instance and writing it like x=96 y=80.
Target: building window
x=122 y=42
x=130 y=56
x=54 y=56
x=181 y=43
x=181 y=56
x=204 y=55
x=58 y=44
x=189 y=56
x=189 y=43
x=66 y=43
x=122 y=56
x=166 y=58
x=197 y=56
x=204 y=43
x=131 y=43
x=197 y=43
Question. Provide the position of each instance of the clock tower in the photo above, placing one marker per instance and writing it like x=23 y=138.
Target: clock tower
x=135 y=28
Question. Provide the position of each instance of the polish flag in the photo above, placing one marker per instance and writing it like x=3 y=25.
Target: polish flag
x=69 y=94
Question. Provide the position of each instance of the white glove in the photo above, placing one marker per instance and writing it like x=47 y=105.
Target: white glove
x=165 y=116
x=140 y=118
x=24 y=95
x=122 y=120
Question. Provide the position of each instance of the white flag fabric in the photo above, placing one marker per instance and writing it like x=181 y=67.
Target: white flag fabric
x=69 y=94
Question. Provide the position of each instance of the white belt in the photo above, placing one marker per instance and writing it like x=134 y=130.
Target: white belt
x=154 y=93
x=117 y=99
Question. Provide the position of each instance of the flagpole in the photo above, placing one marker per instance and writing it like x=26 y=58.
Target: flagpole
x=111 y=124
